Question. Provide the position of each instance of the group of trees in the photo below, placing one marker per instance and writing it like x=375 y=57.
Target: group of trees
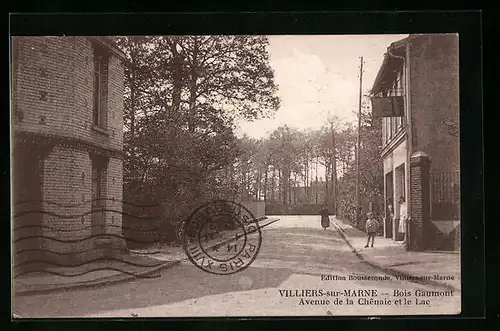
x=183 y=95
x=283 y=168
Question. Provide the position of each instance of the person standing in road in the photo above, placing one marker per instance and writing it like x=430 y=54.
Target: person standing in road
x=325 y=219
x=402 y=218
x=371 y=228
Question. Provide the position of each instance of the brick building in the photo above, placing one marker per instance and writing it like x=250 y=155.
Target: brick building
x=417 y=92
x=67 y=138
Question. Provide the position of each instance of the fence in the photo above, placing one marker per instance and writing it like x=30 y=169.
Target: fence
x=445 y=195
x=303 y=209
x=257 y=208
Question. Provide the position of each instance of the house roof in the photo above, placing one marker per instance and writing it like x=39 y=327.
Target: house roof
x=390 y=65
x=110 y=44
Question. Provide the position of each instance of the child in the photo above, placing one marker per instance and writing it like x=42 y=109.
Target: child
x=371 y=228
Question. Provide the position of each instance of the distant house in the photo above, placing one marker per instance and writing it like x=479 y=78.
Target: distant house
x=302 y=200
x=67 y=141
x=416 y=91
x=312 y=194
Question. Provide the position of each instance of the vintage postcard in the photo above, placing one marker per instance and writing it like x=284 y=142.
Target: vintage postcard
x=215 y=176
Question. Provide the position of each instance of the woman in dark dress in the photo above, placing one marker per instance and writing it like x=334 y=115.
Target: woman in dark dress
x=325 y=220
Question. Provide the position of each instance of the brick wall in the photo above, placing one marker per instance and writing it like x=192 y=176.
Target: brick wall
x=66 y=180
x=53 y=95
x=420 y=217
x=44 y=85
x=114 y=190
x=54 y=90
x=435 y=98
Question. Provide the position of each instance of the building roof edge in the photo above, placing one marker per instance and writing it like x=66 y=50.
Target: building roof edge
x=109 y=43
x=393 y=47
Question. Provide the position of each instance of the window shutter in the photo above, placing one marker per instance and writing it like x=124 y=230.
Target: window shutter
x=387 y=107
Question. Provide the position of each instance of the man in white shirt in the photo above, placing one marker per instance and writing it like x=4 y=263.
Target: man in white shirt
x=402 y=217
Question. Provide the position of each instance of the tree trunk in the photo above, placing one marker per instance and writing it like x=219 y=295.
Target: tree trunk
x=193 y=87
x=257 y=190
x=326 y=184
x=177 y=76
x=289 y=190
x=286 y=184
x=306 y=179
x=132 y=112
x=334 y=174
x=273 y=180
x=279 y=185
x=316 y=188
x=295 y=190
x=310 y=198
x=132 y=99
x=265 y=183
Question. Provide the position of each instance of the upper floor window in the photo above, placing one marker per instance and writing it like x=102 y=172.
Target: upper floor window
x=100 y=92
x=392 y=125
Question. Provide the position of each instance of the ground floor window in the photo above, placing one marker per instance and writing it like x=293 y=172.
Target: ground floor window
x=401 y=178
x=389 y=204
x=395 y=188
x=99 y=167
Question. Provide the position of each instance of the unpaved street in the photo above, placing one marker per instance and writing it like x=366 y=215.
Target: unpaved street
x=295 y=254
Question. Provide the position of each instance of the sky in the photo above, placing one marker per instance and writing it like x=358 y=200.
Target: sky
x=318 y=75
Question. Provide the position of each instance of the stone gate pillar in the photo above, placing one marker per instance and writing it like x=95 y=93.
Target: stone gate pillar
x=419 y=201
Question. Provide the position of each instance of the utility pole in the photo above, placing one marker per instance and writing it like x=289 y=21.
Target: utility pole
x=358 y=142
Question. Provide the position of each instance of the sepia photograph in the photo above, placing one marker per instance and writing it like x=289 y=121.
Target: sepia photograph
x=235 y=175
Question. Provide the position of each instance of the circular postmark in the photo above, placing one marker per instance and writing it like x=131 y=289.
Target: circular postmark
x=221 y=237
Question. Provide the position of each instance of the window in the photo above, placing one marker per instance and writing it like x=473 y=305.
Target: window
x=98 y=189
x=401 y=92
x=395 y=92
x=402 y=86
x=400 y=182
x=384 y=132
x=403 y=181
x=397 y=89
x=101 y=61
x=391 y=126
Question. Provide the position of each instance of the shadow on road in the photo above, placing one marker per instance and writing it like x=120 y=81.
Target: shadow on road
x=179 y=283
x=284 y=251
